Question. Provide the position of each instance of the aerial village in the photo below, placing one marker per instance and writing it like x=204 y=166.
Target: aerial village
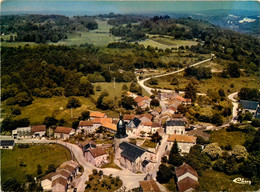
x=131 y=145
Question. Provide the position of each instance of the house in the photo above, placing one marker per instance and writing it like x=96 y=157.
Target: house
x=166 y=96
x=97 y=156
x=149 y=185
x=128 y=117
x=63 y=132
x=187 y=178
x=132 y=128
x=150 y=127
x=175 y=127
x=146 y=118
x=143 y=102
x=46 y=182
x=96 y=114
x=88 y=144
x=177 y=116
x=135 y=158
x=110 y=127
x=87 y=126
x=58 y=181
x=155 y=127
x=19 y=132
x=171 y=110
x=156 y=112
x=250 y=106
x=185 y=142
x=7 y=144
x=38 y=130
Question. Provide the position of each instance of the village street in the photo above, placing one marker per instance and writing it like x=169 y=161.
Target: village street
x=235 y=106
x=130 y=179
x=149 y=90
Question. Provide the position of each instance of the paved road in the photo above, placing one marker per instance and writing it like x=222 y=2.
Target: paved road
x=235 y=107
x=149 y=90
x=130 y=179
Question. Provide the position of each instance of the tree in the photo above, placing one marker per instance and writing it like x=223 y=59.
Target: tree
x=156 y=138
x=128 y=102
x=213 y=150
x=233 y=70
x=239 y=152
x=155 y=102
x=11 y=185
x=256 y=122
x=217 y=119
x=51 y=168
x=49 y=121
x=164 y=174
x=23 y=99
x=182 y=109
x=221 y=93
x=39 y=169
x=191 y=92
x=231 y=166
x=124 y=87
x=175 y=81
x=107 y=103
x=16 y=111
x=73 y=103
x=219 y=165
x=85 y=115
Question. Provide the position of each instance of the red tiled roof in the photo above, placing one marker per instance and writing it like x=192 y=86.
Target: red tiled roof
x=158 y=109
x=148 y=116
x=87 y=142
x=187 y=183
x=97 y=114
x=149 y=186
x=184 y=168
x=86 y=123
x=66 y=167
x=109 y=126
x=38 y=128
x=128 y=116
x=177 y=115
x=147 y=123
x=60 y=180
x=96 y=152
x=65 y=130
x=182 y=138
x=172 y=108
x=154 y=124
x=63 y=172
x=139 y=99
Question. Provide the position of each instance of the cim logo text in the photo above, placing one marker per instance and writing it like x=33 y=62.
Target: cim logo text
x=240 y=180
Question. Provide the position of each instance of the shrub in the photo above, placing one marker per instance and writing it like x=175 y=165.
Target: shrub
x=213 y=150
x=239 y=152
x=73 y=103
x=219 y=165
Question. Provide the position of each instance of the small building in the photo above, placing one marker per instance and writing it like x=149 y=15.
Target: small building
x=97 y=156
x=149 y=185
x=133 y=127
x=110 y=127
x=87 y=126
x=63 y=132
x=96 y=114
x=166 y=96
x=150 y=127
x=88 y=144
x=58 y=181
x=21 y=132
x=177 y=116
x=135 y=158
x=187 y=178
x=145 y=118
x=156 y=112
x=7 y=144
x=175 y=127
x=128 y=117
x=250 y=106
x=185 y=142
x=38 y=130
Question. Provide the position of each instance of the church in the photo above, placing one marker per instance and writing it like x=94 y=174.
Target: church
x=130 y=156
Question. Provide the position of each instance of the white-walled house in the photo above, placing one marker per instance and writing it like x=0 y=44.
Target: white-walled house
x=133 y=128
x=87 y=126
x=97 y=156
x=7 y=144
x=21 y=132
x=38 y=130
x=63 y=132
x=175 y=127
x=184 y=142
x=187 y=178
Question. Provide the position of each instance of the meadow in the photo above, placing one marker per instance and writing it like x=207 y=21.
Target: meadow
x=99 y=37
x=31 y=157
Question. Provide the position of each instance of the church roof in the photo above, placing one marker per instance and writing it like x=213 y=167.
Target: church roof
x=130 y=151
x=134 y=121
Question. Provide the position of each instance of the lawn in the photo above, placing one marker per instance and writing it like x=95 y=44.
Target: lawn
x=225 y=138
x=103 y=183
x=148 y=144
x=163 y=42
x=218 y=181
x=54 y=106
x=228 y=85
x=33 y=156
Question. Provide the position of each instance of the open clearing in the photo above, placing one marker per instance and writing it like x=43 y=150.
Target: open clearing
x=31 y=157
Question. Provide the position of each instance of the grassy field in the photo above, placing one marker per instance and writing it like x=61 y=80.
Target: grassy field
x=225 y=138
x=214 y=83
x=33 y=156
x=99 y=37
x=163 y=42
x=148 y=144
x=218 y=181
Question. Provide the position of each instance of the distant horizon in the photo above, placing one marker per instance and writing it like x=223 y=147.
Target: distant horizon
x=83 y=7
